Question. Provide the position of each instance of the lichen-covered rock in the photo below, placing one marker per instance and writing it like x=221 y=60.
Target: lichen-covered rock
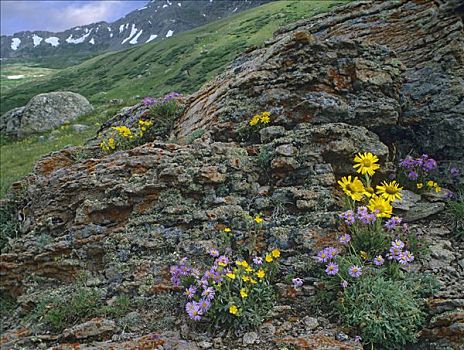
x=44 y=112
x=406 y=57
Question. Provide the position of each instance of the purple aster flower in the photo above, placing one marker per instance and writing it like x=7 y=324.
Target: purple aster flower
x=345 y=239
x=398 y=244
x=204 y=305
x=149 y=101
x=214 y=253
x=357 y=339
x=454 y=172
x=332 y=269
x=355 y=271
x=208 y=293
x=190 y=292
x=322 y=256
x=392 y=223
x=429 y=164
x=407 y=163
x=413 y=175
x=193 y=310
x=394 y=253
x=257 y=260
x=403 y=259
x=362 y=211
x=170 y=96
x=379 y=260
x=409 y=256
x=222 y=260
x=344 y=284
x=297 y=282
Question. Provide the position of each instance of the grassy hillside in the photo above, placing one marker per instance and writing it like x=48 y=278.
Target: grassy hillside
x=182 y=63
x=12 y=75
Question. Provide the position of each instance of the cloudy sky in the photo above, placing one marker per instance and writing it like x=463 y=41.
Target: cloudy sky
x=58 y=15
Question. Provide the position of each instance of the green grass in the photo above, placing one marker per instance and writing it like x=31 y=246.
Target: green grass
x=181 y=63
x=29 y=72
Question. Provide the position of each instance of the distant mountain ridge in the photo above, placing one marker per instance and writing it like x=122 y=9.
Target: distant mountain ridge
x=158 y=19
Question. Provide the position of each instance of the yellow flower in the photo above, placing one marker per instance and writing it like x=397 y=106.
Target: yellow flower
x=254 y=120
x=420 y=185
x=249 y=269
x=123 y=130
x=369 y=192
x=268 y=258
x=366 y=163
x=380 y=206
x=352 y=188
x=231 y=275
x=363 y=254
x=233 y=310
x=243 y=293
x=258 y=219
x=265 y=117
x=246 y=279
x=389 y=191
x=245 y=264
x=111 y=143
x=261 y=274
x=252 y=281
x=275 y=253
x=437 y=189
x=227 y=230
x=431 y=183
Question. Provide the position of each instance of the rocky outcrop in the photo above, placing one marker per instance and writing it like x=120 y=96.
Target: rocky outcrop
x=44 y=112
x=406 y=57
x=121 y=220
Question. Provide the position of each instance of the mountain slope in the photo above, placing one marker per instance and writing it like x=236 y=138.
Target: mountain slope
x=181 y=63
x=157 y=20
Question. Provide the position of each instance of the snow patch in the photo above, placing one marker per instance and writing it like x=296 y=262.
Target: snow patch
x=109 y=29
x=135 y=38
x=235 y=10
x=80 y=40
x=121 y=28
x=132 y=33
x=15 y=42
x=111 y=35
x=36 y=39
x=169 y=33
x=53 y=40
x=152 y=37
x=92 y=41
x=164 y=6
x=142 y=8
x=14 y=77
x=179 y=4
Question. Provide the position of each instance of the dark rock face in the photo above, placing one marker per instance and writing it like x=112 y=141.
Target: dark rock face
x=406 y=57
x=44 y=112
x=122 y=219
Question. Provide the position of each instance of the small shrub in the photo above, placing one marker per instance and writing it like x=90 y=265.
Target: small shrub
x=59 y=310
x=195 y=135
x=386 y=312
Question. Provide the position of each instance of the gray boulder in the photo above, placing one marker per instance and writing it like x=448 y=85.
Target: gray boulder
x=44 y=112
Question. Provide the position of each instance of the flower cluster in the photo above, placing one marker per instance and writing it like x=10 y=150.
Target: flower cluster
x=378 y=201
x=418 y=171
x=150 y=101
x=260 y=119
x=396 y=253
x=124 y=136
x=226 y=288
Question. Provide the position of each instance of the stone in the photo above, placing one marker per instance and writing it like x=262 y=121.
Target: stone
x=408 y=200
x=94 y=328
x=79 y=127
x=423 y=210
x=44 y=112
x=250 y=338
x=271 y=132
x=310 y=323
x=205 y=344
